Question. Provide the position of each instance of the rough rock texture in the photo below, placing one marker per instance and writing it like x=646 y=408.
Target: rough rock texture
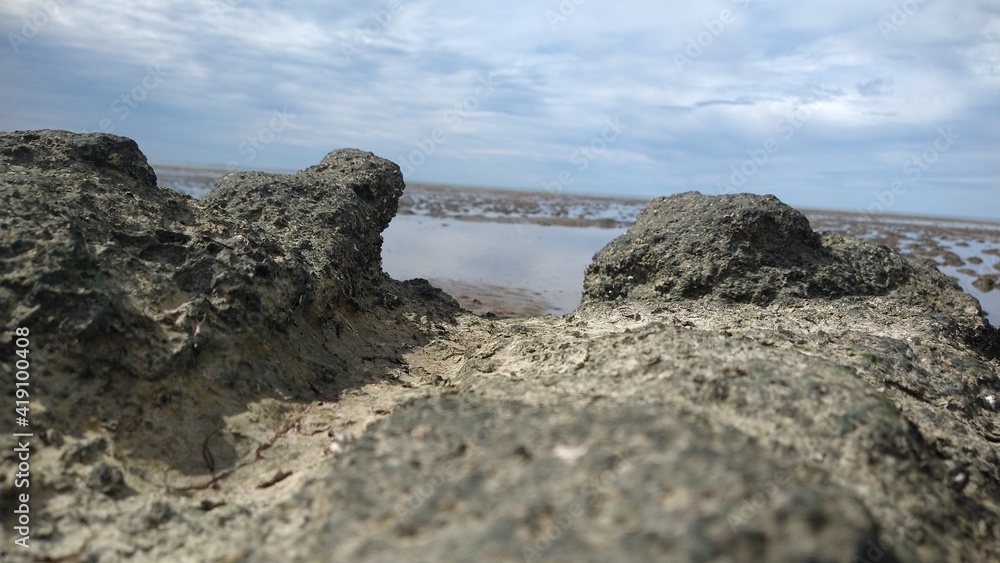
x=746 y=248
x=172 y=339
x=743 y=248
x=235 y=379
x=329 y=217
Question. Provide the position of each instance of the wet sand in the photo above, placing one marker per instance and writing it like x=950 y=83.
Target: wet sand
x=521 y=253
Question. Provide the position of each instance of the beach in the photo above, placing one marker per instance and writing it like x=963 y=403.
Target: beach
x=522 y=253
x=266 y=372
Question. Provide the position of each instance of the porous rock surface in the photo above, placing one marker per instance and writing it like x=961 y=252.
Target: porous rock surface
x=236 y=379
x=742 y=248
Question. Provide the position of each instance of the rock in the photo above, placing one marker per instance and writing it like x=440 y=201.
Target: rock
x=184 y=332
x=746 y=248
x=240 y=373
x=329 y=217
x=951 y=259
x=985 y=283
x=510 y=481
x=135 y=285
x=54 y=151
x=743 y=248
x=106 y=479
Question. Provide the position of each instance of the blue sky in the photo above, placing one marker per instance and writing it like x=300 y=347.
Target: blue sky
x=860 y=105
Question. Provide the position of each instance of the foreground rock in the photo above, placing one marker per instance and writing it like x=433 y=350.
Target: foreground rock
x=236 y=379
x=172 y=340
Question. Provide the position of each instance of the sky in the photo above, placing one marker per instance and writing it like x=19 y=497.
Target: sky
x=862 y=105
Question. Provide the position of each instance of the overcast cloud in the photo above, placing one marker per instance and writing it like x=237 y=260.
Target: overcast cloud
x=859 y=105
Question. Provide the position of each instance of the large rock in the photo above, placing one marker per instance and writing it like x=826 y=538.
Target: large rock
x=328 y=217
x=474 y=480
x=880 y=400
x=746 y=248
x=157 y=320
x=743 y=248
x=236 y=379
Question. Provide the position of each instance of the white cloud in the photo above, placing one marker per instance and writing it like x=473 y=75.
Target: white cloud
x=388 y=76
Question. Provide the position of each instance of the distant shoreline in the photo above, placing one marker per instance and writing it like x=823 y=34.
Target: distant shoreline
x=173 y=171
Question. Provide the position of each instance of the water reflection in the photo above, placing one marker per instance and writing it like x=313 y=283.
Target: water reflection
x=546 y=261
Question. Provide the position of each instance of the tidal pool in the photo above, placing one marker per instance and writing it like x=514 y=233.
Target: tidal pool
x=546 y=262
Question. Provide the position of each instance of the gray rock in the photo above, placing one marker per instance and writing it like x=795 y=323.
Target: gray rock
x=746 y=248
x=743 y=248
x=506 y=481
x=106 y=479
x=867 y=393
x=59 y=151
x=157 y=321
x=986 y=282
x=329 y=217
x=241 y=374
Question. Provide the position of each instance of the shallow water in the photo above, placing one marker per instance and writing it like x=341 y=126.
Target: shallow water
x=544 y=261
x=989 y=301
